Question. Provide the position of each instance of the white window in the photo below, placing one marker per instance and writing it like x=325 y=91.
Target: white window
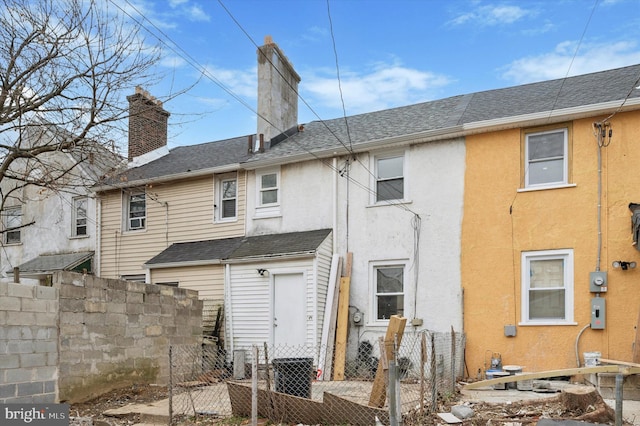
x=546 y=155
x=268 y=185
x=388 y=290
x=79 y=217
x=12 y=220
x=547 y=287
x=227 y=197
x=136 y=211
x=268 y=193
x=389 y=178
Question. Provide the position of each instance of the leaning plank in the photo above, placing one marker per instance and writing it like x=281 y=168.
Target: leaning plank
x=546 y=374
x=342 y=329
x=612 y=361
x=329 y=322
x=340 y=411
x=379 y=388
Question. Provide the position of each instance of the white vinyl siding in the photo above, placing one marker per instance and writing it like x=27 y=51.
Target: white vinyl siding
x=186 y=216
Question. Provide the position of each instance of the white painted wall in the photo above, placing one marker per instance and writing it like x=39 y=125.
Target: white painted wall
x=52 y=231
x=434 y=174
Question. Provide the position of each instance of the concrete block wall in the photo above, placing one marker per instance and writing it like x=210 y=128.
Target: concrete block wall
x=115 y=333
x=28 y=344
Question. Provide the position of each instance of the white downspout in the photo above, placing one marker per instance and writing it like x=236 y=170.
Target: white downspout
x=335 y=205
x=98 y=216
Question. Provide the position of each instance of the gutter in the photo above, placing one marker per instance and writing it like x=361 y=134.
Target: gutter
x=165 y=178
x=282 y=256
x=533 y=119
x=181 y=264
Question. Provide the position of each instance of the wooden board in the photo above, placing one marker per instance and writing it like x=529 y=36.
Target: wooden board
x=554 y=373
x=342 y=327
x=379 y=388
x=329 y=325
x=636 y=344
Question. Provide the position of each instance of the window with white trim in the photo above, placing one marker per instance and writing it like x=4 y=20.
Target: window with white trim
x=389 y=178
x=388 y=290
x=79 y=217
x=136 y=211
x=546 y=158
x=227 y=197
x=268 y=193
x=12 y=221
x=547 y=287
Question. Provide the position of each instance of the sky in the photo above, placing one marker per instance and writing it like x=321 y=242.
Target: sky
x=387 y=53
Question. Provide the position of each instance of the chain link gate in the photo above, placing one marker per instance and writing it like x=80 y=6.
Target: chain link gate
x=285 y=385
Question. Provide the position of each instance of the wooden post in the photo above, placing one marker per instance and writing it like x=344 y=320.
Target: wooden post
x=341 y=330
x=16 y=275
x=394 y=330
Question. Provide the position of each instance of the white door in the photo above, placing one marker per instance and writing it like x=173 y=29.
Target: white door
x=289 y=310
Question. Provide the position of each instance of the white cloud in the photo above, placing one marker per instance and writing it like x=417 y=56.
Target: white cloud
x=385 y=86
x=240 y=82
x=491 y=15
x=172 y=61
x=590 y=58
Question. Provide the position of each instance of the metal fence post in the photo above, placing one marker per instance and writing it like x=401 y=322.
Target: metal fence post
x=393 y=409
x=434 y=383
x=170 y=385
x=254 y=387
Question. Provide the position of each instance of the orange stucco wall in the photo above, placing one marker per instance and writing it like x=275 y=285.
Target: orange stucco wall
x=500 y=223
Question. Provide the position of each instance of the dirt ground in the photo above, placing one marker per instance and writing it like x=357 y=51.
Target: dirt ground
x=516 y=413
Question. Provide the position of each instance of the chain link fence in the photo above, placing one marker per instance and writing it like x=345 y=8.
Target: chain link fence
x=286 y=385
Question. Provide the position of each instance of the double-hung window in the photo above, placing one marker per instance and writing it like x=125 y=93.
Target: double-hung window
x=388 y=290
x=136 y=211
x=546 y=158
x=389 y=178
x=226 y=202
x=79 y=217
x=547 y=287
x=268 y=193
x=12 y=218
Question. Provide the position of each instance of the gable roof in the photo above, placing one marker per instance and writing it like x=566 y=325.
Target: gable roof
x=225 y=249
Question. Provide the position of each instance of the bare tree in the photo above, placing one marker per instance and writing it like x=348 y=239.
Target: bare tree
x=65 y=67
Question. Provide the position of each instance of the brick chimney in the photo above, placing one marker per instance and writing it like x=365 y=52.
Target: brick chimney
x=147 y=123
x=277 y=92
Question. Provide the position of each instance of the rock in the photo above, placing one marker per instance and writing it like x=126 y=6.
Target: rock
x=462 y=411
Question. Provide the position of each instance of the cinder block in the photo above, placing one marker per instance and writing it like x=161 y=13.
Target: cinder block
x=91 y=307
x=136 y=287
x=20 y=347
x=10 y=361
x=34 y=305
x=46 y=333
x=71 y=305
x=18 y=375
x=153 y=330
x=117 y=319
x=45 y=398
x=95 y=318
x=117 y=308
x=46 y=293
x=52 y=359
x=135 y=298
x=71 y=317
x=22 y=318
x=20 y=290
x=26 y=389
x=4 y=288
x=134 y=308
x=46 y=318
x=117 y=296
x=8 y=391
x=33 y=360
x=50 y=386
x=151 y=309
x=10 y=303
x=72 y=292
x=46 y=374
x=46 y=346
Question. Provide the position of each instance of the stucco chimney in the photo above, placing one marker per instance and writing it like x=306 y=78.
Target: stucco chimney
x=147 y=123
x=277 y=92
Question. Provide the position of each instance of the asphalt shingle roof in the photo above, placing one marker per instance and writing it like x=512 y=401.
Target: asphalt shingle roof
x=55 y=262
x=242 y=247
x=582 y=90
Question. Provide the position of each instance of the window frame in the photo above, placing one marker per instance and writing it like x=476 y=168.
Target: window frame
x=16 y=228
x=568 y=285
x=374 y=267
x=75 y=217
x=375 y=179
x=565 y=181
x=128 y=199
x=268 y=209
x=220 y=199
